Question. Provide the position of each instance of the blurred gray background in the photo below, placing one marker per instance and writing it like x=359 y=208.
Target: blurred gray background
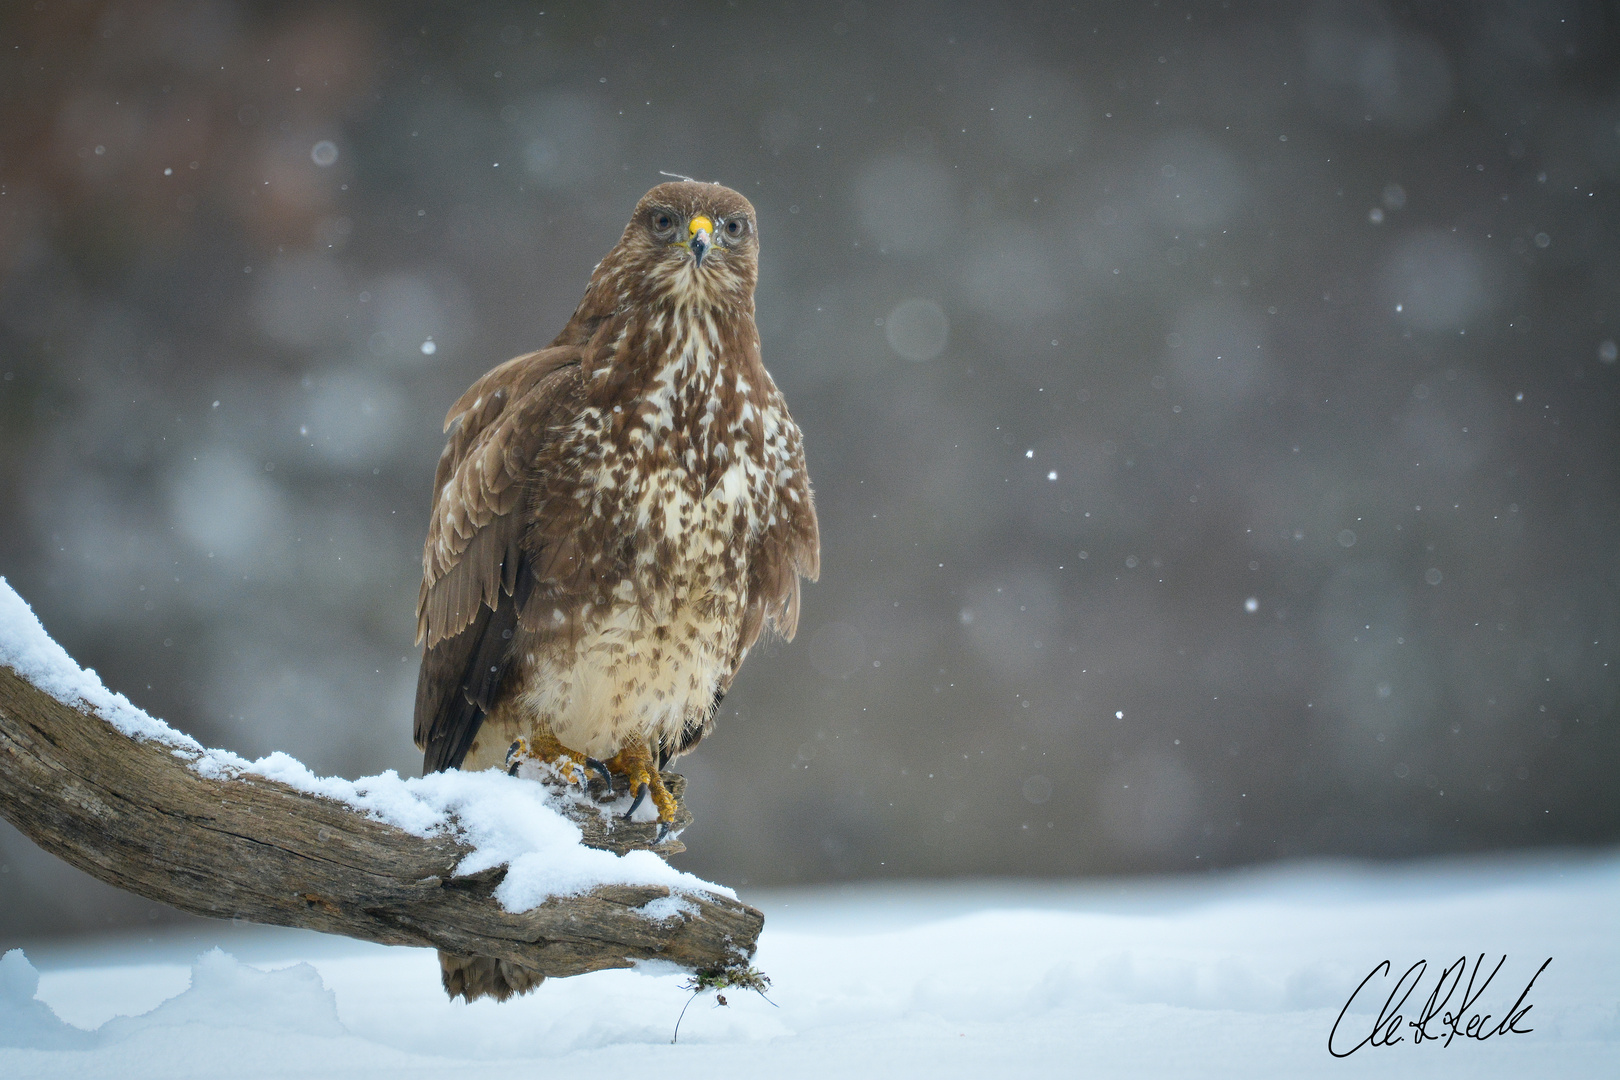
x=1212 y=407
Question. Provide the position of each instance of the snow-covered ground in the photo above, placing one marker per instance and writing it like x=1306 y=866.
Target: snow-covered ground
x=1234 y=975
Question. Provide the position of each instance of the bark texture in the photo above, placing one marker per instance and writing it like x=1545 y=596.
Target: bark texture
x=136 y=816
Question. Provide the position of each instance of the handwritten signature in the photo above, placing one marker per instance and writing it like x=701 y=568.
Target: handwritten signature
x=1433 y=1021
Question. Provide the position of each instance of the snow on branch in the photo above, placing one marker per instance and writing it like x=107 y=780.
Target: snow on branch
x=477 y=864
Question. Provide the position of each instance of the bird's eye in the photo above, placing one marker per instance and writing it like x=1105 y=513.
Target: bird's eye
x=735 y=228
x=662 y=222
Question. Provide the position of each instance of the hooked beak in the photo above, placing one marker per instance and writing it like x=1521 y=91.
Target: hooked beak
x=700 y=230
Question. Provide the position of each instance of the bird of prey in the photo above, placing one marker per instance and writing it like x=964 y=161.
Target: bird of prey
x=616 y=520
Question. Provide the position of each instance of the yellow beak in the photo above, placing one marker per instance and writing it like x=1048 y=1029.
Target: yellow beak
x=699 y=230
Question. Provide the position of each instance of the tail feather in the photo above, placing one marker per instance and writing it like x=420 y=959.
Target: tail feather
x=474 y=977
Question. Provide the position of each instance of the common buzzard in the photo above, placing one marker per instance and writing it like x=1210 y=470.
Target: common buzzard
x=616 y=519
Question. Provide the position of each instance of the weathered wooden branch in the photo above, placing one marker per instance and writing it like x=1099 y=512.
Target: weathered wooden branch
x=136 y=816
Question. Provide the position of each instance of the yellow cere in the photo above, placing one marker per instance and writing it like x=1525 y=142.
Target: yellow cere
x=700 y=222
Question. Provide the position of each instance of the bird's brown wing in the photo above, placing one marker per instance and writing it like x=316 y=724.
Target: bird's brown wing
x=787 y=550
x=475 y=574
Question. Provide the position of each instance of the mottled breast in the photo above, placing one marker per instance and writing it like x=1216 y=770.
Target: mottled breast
x=685 y=471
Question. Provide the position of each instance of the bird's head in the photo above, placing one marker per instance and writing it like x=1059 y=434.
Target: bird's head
x=694 y=243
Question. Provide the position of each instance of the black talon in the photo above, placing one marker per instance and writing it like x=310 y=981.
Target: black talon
x=600 y=770
x=664 y=829
x=641 y=794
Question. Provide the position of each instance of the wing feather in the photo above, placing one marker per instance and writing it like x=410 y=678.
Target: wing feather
x=786 y=552
x=476 y=575
x=479 y=483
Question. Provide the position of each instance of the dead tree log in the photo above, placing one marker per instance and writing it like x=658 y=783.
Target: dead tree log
x=137 y=816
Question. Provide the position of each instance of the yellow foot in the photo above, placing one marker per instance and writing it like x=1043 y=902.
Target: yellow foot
x=545 y=749
x=635 y=761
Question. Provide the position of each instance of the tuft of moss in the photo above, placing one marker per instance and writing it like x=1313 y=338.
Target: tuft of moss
x=724 y=978
x=721 y=978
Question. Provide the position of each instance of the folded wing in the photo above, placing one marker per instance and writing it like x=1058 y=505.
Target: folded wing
x=476 y=576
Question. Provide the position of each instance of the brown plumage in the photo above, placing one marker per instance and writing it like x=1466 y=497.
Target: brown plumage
x=619 y=516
